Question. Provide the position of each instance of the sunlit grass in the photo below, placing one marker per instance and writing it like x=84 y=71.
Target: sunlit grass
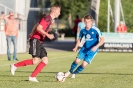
x=108 y=70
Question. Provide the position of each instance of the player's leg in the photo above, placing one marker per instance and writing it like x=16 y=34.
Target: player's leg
x=41 y=65
x=87 y=60
x=8 y=39
x=23 y=63
x=80 y=56
x=34 y=50
x=79 y=69
x=81 y=43
x=73 y=66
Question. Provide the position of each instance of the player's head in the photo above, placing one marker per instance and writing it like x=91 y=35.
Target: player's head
x=55 y=11
x=88 y=19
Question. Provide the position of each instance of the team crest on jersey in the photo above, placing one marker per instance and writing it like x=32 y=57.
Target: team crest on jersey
x=88 y=36
x=92 y=32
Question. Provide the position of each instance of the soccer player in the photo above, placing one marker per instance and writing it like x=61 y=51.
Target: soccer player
x=93 y=39
x=37 y=49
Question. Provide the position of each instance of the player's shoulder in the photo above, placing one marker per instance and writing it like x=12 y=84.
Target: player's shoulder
x=47 y=18
x=95 y=28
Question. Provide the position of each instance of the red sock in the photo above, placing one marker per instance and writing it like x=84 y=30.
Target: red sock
x=38 y=69
x=24 y=63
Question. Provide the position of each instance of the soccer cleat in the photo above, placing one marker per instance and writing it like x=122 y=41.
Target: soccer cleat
x=33 y=79
x=73 y=76
x=13 y=69
x=63 y=79
x=67 y=74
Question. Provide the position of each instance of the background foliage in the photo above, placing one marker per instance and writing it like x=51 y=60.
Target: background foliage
x=81 y=7
x=128 y=14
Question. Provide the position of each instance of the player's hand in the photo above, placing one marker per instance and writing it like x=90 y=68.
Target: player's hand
x=30 y=35
x=74 y=49
x=94 y=48
x=50 y=36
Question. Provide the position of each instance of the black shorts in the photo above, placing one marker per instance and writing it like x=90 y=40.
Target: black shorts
x=37 y=49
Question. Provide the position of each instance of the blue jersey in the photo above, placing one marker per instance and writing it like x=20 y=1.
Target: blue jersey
x=91 y=37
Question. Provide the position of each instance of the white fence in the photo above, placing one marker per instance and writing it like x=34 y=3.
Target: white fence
x=21 y=42
x=22 y=9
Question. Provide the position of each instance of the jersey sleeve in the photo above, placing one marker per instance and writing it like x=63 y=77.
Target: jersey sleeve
x=80 y=34
x=98 y=31
x=43 y=23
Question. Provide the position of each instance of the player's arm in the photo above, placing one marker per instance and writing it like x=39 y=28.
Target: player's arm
x=33 y=30
x=99 y=44
x=40 y=29
x=78 y=41
x=77 y=44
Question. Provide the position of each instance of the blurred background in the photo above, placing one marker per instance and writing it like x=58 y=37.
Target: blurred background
x=107 y=14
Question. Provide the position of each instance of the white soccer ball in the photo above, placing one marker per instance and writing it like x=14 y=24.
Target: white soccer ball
x=60 y=76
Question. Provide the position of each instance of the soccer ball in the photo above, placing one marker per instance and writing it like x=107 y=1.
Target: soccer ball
x=60 y=76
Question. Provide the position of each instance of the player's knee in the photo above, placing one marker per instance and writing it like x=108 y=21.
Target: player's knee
x=77 y=61
x=45 y=60
x=84 y=64
x=35 y=60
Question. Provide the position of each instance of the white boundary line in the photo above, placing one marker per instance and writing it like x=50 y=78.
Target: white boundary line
x=4 y=65
x=50 y=58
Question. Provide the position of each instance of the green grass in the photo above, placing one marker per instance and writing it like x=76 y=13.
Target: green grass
x=108 y=70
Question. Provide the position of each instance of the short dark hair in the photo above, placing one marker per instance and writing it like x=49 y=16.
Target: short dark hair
x=55 y=6
x=88 y=16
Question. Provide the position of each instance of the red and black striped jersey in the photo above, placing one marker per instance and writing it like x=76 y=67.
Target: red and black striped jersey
x=45 y=22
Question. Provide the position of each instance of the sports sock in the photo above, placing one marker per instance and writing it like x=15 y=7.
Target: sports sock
x=79 y=69
x=73 y=66
x=38 y=69
x=24 y=63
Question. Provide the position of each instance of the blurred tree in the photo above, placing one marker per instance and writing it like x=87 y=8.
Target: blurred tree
x=128 y=15
x=71 y=8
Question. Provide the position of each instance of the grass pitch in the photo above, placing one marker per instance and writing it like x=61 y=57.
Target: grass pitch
x=108 y=70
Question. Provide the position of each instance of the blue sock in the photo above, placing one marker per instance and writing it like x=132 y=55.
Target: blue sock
x=73 y=66
x=79 y=69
